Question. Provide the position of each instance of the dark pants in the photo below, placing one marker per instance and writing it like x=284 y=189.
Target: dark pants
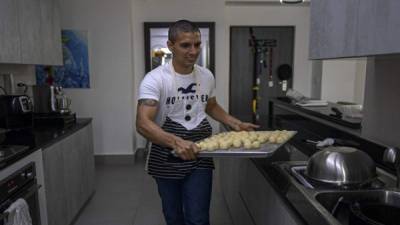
x=187 y=201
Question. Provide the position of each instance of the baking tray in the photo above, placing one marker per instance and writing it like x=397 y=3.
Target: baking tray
x=264 y=151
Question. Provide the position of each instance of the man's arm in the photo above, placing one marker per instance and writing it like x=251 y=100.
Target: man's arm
x=214 y=110
x=145 y=125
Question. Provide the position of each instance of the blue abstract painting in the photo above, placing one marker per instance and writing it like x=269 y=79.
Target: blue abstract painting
x=75 y=71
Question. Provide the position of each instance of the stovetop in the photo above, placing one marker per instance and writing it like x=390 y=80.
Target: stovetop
x=8 y=151
x=299 y=172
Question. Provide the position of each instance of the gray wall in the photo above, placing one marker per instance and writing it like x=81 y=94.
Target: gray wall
x=381 y=120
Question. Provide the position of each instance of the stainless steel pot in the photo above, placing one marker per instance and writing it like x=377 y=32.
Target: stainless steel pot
x=341 y=166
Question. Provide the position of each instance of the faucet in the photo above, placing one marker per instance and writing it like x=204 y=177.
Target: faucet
x=392 y=156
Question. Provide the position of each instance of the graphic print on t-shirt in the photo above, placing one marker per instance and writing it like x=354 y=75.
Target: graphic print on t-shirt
x=187 y=90
x=186 y=95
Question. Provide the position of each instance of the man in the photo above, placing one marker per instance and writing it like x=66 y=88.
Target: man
x=173 y=102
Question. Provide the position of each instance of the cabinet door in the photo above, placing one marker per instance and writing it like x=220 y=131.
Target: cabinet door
x=261 y=200
x=73 y=173
x=333 y=28
x=29 y=30
x=9 y=32
x=230 y=175
x=79 y=169
x=88 y=162
x=56 y=195
x=378 y=27
x=51 y=32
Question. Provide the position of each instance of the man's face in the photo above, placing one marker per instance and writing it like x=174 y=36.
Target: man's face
x=186 y=48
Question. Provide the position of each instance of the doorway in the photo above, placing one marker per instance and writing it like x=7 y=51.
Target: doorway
x=261 y=65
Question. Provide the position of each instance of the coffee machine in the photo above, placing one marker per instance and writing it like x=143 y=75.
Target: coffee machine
x=50 y=100
x=51 y=106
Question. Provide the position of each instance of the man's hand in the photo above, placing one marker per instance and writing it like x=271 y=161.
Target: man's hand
x=186 y=150
x=244 y=126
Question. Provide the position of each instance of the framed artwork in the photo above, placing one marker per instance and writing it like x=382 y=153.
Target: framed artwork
x=75 y=71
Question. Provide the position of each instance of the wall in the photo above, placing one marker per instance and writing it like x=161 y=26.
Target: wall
x=382 y=106
x=21 y=73
x=343 y=80
x=224 y=16
x=109 y=99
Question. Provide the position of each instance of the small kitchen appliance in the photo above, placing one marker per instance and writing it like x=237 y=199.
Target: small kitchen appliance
x=15 y=112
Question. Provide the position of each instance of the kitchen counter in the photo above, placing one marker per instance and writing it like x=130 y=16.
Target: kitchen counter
x=310 y=125
x=322 y=115
x=39 y=138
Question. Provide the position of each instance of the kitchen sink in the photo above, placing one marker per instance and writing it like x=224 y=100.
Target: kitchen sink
x=362 y=206
x=377 y=204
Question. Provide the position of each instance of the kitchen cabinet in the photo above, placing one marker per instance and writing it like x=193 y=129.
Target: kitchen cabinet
x=51 y=32
x=69 y=176
x=9 y=33
x=261 y=200
x=55 y=184
x=230 y=174
x=333 y=28
x=353 y=28
x=378 y=27
x=30 y=32
x=250 y=197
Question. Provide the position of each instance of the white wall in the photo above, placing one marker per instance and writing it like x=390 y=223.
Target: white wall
x=109 y=99
x=343 y=80
x=224 y=16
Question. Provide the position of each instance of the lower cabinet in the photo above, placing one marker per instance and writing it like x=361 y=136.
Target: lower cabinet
x=230 y=174
x=250 y=198
x=69 y=176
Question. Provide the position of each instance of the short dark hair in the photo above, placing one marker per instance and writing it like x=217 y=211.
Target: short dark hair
x=181 y=26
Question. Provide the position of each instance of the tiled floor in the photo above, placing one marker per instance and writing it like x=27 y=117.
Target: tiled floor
x=126 y=195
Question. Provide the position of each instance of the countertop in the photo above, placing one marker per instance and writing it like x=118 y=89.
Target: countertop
x=322 y=115
x=296 y=203
x=39 y=138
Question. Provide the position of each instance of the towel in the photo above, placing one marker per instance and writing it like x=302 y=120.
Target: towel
x=18 y=213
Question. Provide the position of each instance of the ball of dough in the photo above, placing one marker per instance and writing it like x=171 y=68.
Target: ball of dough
x=256 y=144
x=280 y=140
x=247 y=145
x=223 y=145
x=237 y=143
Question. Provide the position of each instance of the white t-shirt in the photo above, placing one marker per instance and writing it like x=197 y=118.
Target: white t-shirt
x=182 y=98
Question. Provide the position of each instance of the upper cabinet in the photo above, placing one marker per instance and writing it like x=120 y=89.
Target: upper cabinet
x=353 y=28
x=9 y=33
x=51 y=32
x=30 y=32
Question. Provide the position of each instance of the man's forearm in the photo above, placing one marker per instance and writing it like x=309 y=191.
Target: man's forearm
x=219 y=114
x=155 y=134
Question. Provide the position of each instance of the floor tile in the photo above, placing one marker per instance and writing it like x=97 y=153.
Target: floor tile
x=127 y=195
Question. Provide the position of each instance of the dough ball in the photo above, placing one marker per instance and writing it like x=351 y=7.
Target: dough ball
x=262 y=139
x=223 y=145
x=272 y=139
x=280 y=140
x=256 y=144
x=247 y=145
x=237 y=143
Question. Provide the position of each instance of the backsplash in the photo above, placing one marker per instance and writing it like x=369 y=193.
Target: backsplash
x=22 y=73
